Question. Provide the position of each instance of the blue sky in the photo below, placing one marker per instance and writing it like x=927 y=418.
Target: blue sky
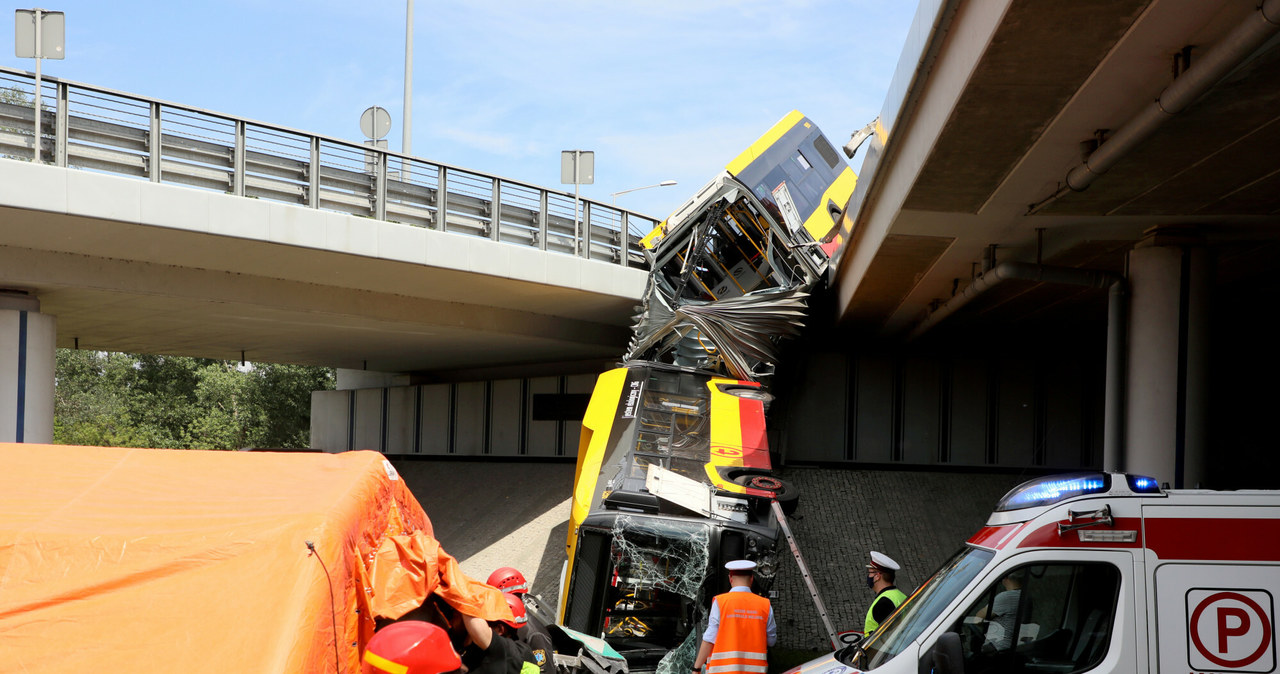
x=659 y=89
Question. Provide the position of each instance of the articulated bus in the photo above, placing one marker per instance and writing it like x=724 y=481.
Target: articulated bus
x=674 y=476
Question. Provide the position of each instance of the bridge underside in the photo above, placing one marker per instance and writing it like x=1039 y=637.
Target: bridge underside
x=1016 y=96
x=132 y=266
x=1061 y=237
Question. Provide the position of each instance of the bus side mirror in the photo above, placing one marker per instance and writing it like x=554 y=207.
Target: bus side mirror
x=944 y=657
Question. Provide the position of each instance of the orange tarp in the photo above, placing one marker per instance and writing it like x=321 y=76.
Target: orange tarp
x=146 y=560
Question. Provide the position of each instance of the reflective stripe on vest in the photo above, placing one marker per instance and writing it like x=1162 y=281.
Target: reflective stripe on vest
x=742 y=641
x=895 y=595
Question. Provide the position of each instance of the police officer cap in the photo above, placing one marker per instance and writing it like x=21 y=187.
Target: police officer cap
x=883 y=561
x=741 y=565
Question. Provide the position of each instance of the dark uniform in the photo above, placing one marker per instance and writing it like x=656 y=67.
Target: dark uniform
x=503 y=656
x=538 y=640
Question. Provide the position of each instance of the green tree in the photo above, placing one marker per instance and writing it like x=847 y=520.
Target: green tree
x=283 y=398
x=180 y=402
x=89 y=406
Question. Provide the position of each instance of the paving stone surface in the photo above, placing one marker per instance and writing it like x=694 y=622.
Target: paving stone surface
x=490 y=514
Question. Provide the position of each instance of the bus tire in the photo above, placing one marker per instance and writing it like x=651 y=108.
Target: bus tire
x=783 y=492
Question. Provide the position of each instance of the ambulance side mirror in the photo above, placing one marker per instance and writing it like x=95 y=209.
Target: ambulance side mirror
x=945 y=656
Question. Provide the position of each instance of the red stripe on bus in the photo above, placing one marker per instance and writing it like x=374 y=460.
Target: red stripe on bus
x=1212 y=538
x=755 y=442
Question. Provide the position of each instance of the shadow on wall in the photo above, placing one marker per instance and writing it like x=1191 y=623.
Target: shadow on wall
x=546 y=587
x=917 y=518
x=490 y=514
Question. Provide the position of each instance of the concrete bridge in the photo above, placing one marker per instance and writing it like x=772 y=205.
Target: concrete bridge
x=157 y=228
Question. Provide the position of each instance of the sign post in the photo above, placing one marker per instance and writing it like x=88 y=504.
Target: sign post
x=375 y=122
x=39 y=34
x=577 y=167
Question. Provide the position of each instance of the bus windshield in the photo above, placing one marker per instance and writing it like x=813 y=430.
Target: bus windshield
x=923 y=607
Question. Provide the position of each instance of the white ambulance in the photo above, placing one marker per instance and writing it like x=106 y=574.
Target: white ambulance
x=1094 y=572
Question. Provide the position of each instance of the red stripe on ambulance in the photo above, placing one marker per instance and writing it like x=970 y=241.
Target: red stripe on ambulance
x=1212 y=538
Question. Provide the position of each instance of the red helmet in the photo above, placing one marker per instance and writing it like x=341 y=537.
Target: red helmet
x=410 y=647
x=508 y=579
x=516 y=604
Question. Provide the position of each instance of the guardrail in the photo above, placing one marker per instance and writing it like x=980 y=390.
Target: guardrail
x=97 y=129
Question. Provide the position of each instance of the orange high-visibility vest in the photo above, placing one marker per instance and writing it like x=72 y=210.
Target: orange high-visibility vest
x=742 y=642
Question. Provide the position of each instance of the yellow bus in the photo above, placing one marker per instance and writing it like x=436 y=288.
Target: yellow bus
x=780 y=198
x=674 y=476
x=673 y=480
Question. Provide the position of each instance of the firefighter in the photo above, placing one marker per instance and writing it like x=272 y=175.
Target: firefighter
x=495 y=649
x=740 y=628
x=534 y=632
x=880 y=576
x=410 y=647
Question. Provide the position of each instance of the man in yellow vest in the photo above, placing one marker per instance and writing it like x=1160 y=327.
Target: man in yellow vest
x=880 y=576
x=740 y=628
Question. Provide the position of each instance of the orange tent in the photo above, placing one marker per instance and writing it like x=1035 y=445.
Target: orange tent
x=148 y=560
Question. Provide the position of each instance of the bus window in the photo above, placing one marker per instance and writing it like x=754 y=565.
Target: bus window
x=828 y=153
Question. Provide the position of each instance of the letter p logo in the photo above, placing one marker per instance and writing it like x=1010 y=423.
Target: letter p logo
x=1226 y=629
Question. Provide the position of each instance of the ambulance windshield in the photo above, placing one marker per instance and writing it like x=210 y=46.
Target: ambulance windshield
x=923 y=607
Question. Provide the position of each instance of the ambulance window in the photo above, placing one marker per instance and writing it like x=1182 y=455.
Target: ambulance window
x=924 y=606
x=1042 y=618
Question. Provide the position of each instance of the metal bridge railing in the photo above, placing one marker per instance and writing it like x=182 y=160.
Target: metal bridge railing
x=96 y=129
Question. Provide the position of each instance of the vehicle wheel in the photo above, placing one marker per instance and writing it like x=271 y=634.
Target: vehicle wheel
x=783 y=492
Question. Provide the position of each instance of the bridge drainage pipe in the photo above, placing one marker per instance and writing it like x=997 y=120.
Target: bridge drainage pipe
x=1234 y=49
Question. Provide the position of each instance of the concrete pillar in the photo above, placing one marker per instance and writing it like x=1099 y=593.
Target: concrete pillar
x=1167 y=402
x=27 y=350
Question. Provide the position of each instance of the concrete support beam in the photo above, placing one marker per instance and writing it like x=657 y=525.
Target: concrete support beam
x=27 y=350
x=358 y=379
x=1167 y=407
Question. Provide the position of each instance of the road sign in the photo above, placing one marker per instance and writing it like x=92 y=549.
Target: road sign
x=53 y=28
x=375 y=122
x=577 y=167
x=1230 y=630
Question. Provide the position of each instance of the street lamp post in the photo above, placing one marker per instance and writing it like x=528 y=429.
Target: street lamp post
x=665 y=183
x=406 y=139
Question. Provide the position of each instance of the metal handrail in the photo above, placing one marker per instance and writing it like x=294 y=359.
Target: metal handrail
x=99 y=129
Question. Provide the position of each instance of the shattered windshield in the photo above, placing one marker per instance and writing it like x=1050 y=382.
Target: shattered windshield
x=654 y=597
x=923 y=607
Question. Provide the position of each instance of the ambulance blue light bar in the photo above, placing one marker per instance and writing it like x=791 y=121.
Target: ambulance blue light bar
x=1052 y=489
x=1141 y=484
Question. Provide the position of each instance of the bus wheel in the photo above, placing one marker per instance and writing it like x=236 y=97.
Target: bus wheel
x=783 y=492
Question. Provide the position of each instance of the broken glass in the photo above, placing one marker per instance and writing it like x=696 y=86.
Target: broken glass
x=655 y=593
x=726 y=284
